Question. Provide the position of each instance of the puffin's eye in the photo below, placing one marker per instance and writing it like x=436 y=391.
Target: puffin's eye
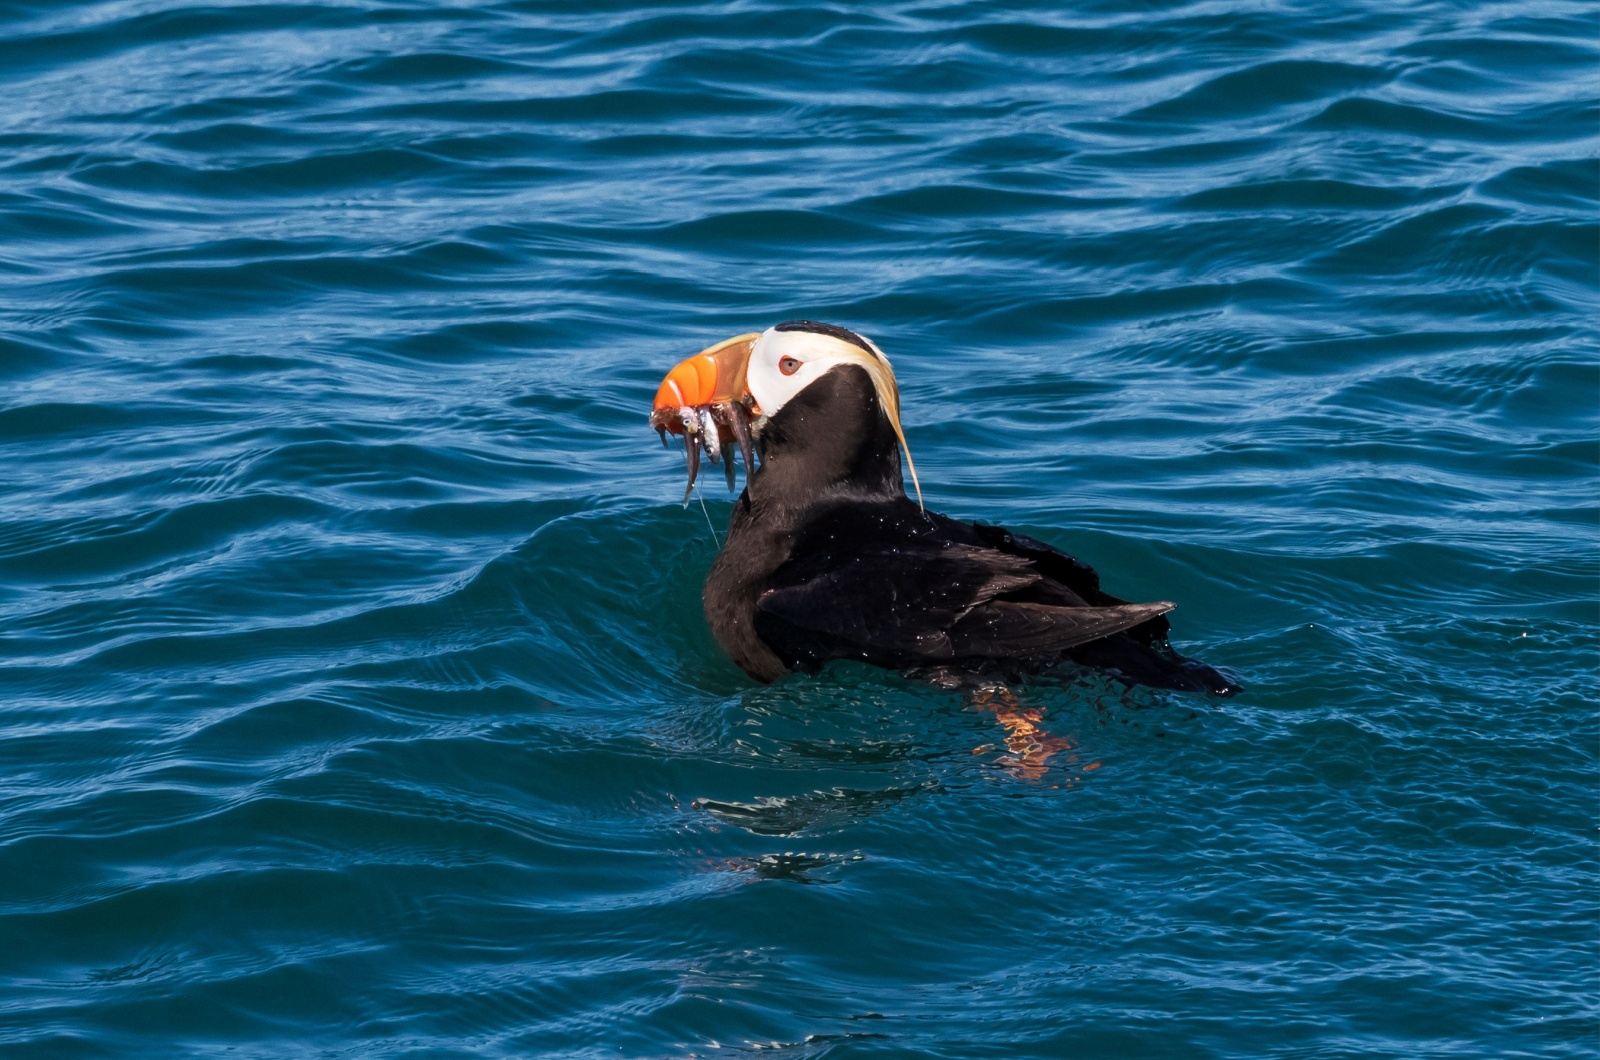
x=788 y=365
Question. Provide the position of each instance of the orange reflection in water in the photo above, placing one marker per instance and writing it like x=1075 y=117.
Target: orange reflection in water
x=1031 y=747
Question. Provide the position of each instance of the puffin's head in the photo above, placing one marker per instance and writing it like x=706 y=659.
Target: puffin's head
x=734 y=389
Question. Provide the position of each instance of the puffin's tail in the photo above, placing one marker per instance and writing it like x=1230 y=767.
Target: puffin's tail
x=1154 y=664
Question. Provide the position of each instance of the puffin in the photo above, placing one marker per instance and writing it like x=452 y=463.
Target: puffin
x=827 y=558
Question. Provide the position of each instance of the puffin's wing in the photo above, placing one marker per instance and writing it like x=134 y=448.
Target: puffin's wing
x=924 y=602
x=1006 y=629
x=1068 y=572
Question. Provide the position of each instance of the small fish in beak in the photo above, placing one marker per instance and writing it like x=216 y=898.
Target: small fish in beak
x=704 y=398
x=710 y=438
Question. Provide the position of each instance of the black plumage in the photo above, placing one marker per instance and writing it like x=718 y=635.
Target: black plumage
x=826 y=558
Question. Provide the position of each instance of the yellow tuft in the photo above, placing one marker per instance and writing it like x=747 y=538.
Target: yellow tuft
x=883 y=382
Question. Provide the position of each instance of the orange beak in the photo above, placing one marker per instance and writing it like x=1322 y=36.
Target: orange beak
x=713 y=376
x=705 y=399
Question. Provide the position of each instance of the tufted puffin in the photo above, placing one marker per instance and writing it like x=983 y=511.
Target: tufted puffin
x=827 y=558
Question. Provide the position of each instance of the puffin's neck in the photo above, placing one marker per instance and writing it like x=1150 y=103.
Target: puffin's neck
x=830 y=440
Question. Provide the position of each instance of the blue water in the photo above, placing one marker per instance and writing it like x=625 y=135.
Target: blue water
x=355 y=698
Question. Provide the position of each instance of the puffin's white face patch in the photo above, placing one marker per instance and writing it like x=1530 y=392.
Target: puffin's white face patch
x=772 y=376
x=783 y=363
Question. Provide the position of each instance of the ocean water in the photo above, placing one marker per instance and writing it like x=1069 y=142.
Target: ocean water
x=355 y=698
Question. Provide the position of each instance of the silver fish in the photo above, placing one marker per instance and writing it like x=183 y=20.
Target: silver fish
x=713 y=438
